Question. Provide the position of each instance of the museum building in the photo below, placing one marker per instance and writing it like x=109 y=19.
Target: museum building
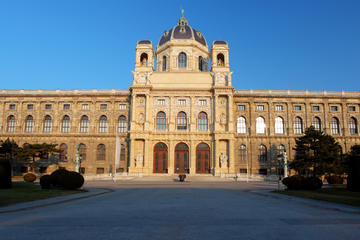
x=183 y=117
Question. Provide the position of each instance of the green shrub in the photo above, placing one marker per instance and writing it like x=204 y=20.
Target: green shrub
x=58 y=176
x=45 y=182
x=73 y=180
x=334 y=179
x=29 y=177
x=5 y=174
x=297 y=182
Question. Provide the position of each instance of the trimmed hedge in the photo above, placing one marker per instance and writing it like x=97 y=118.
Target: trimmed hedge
x=334 y=179
x=5 y=174
x=62 y=178
x=45 y=182
x=29 y=177
x=297 y=182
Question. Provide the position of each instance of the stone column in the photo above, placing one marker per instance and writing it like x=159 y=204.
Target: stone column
x=231 y=151
x=216 y=156
x=192 y=153
x=171 y=151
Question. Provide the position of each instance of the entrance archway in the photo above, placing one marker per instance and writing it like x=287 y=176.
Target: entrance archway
x=203 y=158
x=181 y=158
x=160 y=158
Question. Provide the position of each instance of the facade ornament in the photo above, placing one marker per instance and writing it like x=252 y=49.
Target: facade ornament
x=139 y=160
x=222 y=118
x=141 y=77
x=141 y=119
x=223 y=160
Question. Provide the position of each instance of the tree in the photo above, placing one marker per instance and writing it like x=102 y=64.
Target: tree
x=317 y=154
x=353 y=168
x=34 y=152
x=8 y=149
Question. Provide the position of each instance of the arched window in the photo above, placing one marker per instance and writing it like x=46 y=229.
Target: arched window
x=84 y=124
x=161 y=121
x=182 y=61
x=279 y=125
x=316 y=123
x=201 y=63
x=220 y=60
x=101 y=150
x=334 y=126
x=144 y=59
x=260 y=125
x=241 y=125
x=353 y=126
x=47 y=124
x=298 y=126
x=242 y=154
x=164 y=63
x=11 y=123
x=202 y=121
x=181 y=121
x=122 y=153
x=262 y=156
x=103 y=124
x=29 y=124
x=122 y=124
x=82 y=151
x=63 y=152
x=65 y=124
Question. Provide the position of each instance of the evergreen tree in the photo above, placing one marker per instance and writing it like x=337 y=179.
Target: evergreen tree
x=317 y=154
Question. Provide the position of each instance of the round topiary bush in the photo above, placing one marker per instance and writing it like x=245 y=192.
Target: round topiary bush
x=73 y=180
x=29 y=177
x=45 y=182
x=58 y=176
x=334 y=179
x=312 y=183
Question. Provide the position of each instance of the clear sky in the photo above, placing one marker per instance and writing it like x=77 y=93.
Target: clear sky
x=274 y=44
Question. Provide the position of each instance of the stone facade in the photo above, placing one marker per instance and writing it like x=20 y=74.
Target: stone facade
x=179 y=118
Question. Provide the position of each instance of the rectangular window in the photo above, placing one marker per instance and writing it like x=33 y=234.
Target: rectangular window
x=122 y=106
x=241 y=107
x=67 y=106
x=161 y=101
x=352 y=109
x=202 y=102
x=279 y=108
x=99 y=170
x=12 y=106
x=297 y=108
x=103 y=106
x=182 y=102
x=260 y=107
x=85 y=107
x=334 y=108
x=243 y=170
x=48 y=106
x=30 y=106
x=316 y=108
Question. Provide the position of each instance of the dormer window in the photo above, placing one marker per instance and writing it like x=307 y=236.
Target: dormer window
x=199 y=33
x=182 y=61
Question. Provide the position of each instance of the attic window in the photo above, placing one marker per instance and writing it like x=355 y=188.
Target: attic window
x=182 y=30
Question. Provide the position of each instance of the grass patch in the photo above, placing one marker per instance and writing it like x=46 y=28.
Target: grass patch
x=25 y=192
x=335 y=193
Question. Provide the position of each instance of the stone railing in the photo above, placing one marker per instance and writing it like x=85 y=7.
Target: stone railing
x=297 y=93
x=60 y=92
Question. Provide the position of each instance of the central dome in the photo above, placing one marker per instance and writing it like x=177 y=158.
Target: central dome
x=182 y=31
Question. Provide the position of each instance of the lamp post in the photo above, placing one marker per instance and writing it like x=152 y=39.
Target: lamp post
x=77 y=161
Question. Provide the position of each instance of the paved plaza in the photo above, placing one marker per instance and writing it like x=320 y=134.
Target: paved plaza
x=201 y=208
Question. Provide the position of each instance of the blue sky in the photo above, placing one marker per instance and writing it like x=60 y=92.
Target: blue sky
x=274 y=44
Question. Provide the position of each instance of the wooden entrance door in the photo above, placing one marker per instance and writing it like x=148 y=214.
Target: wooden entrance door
x=160 y=158
x=202 y=158
x=181 y=158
